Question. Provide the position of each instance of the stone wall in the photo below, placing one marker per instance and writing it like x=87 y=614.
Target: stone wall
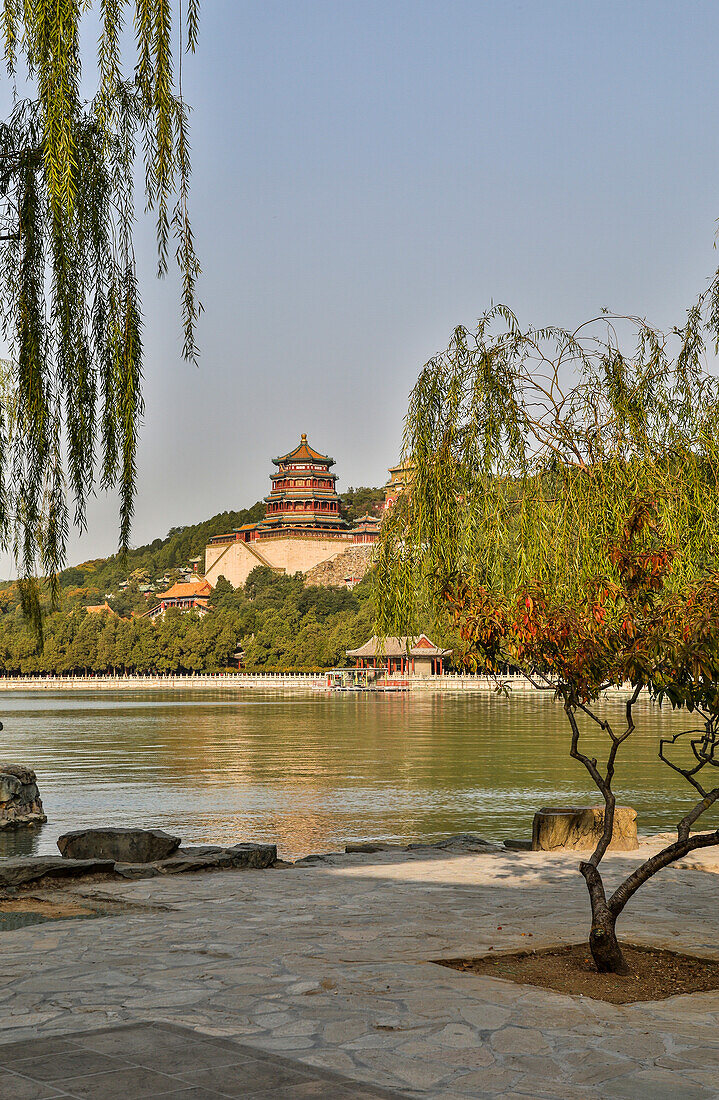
x=351 y=563
x=236 y=560
x=233 y=560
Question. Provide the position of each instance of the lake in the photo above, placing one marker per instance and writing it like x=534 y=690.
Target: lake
x=312 y=772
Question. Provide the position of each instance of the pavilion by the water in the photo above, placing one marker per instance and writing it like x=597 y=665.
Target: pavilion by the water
x=417 y=656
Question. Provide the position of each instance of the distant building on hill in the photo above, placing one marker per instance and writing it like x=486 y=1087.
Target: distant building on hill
x=399 y=478
x=192 y=596
x=97 y=608
x=302 y=528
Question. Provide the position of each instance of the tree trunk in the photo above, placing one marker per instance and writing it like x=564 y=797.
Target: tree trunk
x=603 y=944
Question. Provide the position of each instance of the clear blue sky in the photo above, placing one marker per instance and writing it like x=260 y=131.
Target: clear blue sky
x=369 y=174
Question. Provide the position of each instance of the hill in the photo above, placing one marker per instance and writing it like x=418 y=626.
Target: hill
x=154 y=566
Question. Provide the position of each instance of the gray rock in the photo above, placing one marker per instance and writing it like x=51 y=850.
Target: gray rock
x=253 y=855
x=9 y=787
x=579 y=828
x=518 y=845
x=182 y=863
x=20 y=802
x=368 y=847
x=25 y=775
x=136 y=870
x=13 y=872
x=459 y=842
x=121 y=845
x=208 y=857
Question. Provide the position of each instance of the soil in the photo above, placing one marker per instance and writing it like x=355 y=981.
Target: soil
x=653 y=975
x=50 y=909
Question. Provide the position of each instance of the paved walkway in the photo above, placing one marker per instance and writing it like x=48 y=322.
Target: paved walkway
x=330 y=965
x=146 y=1061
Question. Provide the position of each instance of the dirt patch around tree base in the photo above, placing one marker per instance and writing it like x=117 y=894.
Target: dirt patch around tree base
x=653 y=975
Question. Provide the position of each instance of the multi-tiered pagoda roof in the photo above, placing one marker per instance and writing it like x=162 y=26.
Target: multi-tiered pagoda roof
x=303 y=493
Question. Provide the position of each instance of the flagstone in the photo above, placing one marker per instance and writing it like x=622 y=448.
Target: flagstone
x=351 y=984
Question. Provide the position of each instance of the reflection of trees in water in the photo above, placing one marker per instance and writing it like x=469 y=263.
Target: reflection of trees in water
x=19 y=842
x=314 y=772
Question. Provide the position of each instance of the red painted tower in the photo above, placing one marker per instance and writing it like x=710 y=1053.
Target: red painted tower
x=303 y=493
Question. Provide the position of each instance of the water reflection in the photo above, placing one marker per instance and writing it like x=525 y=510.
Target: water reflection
x=312 y=772
x=20 y=842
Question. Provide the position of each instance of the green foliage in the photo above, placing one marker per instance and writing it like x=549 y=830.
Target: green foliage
x=361 y=502
x=531 y=450
x=159 y=557
x=279 y=622
x=69 y=301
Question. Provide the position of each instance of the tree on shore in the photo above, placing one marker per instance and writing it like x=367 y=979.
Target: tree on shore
x=70 y=304
x=564 y=515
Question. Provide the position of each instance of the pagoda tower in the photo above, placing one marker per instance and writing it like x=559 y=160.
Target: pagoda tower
x=303 y=496
x=302 y=528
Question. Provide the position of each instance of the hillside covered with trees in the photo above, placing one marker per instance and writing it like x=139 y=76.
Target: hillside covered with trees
x=277 y=620
x=158 y=563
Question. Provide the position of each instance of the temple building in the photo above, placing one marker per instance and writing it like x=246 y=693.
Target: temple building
x=407 y=656
x=190 y=596
x=399 y=478
x=302 y=527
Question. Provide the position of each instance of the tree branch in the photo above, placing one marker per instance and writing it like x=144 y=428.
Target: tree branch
x=668 y=855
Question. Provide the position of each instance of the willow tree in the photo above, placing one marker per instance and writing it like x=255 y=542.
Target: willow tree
x=564 y=514
x=69 y=297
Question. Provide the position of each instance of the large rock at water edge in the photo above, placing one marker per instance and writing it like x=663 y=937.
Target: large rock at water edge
x=579 y=829
x=122 y=845
x=20 y=802
x=16 y=871
x=208 y=857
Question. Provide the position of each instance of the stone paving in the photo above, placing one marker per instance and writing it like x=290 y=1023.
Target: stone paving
x=328 y=964
x=141 y=1061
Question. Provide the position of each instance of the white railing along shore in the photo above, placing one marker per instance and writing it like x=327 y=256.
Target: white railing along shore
x=448 y=682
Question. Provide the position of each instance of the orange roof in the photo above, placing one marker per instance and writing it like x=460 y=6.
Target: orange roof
x=200 y=587
x=419 y=646
x=95 y=607
x=304 y=453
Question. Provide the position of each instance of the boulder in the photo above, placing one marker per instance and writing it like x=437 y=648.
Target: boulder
x=13 y=872
x=367 y=847
x=459 y=842
x=208 y=857
x=579 y=829
x=136 y=870
x=20 y=802
x=253 y=855
x=121 y=845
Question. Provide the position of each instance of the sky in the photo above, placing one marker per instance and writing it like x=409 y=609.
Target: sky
x=367 y=175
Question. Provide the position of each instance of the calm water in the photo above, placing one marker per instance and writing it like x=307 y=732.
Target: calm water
x=313 y=772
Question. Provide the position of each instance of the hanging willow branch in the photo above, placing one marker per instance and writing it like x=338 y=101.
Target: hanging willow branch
x=530 y=449
x=70 y=305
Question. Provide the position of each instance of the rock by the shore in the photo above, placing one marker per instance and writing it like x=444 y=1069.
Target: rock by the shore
x=579 y=829
x=203 y=857
x=14 y=872
x=458 y=842
x=20 y=802
x=119 y=845
x=207 y=857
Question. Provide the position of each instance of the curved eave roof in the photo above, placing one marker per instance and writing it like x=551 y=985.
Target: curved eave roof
x=398 y=647
x=304 y=453
x=275 y=476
